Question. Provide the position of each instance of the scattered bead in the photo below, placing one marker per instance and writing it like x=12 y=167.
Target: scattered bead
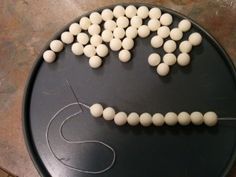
x=109 y=113
x=169 y=59
x=118 y=11
x=184 y=118
x=96 y=40
x=107 y=36
x=56 y=46
x=110 y=25
x=77 y=48
x=84 y=23
x=49 y=56
x=183 y=59
x=163 y=31
x=185 y=47
x=133 y=119
x=107 y=14
x=155 y=13
x=196 y=118
x=130 y=11
x=166 y=19
x=95 y=18
x=115 y=44
x=127 y=43
x=143 y=31
x=96 y=110
x=120 y=118
x=145 y=119
x=75 y=29
x=154 y=59
x=184 y=25
x=157 y=41
x=163 y=69
x=195 y=39
x=102 y=50
x=136 y=21
x=119 y=33
x=143 y=12
x=169 y=46
x=210 y=118
x=122 y=22
x=158 y=119
x=94 y=29
x=171 y=119
x=154 y=24
x=82 y=38
x=124 y=56
x=89 y=50
x=95 y=62
x=67 y=37
x=176 y=34
x=131 y=32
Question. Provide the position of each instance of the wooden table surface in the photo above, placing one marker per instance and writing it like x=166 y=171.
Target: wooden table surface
x=26 y=26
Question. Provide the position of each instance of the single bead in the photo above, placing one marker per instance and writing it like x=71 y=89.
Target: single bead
x=127 y=43
x=82 y=38
x=157 y=41
x=96 y=40
x=143 y=12
x=169 y=46
x=183 y=59
x=185 y=47
x=131 y=32
x=77 y=48
x=158 y=119
x=95 y=62
x=163 y=69
x=171 y=119
x=118 y=11
x=154 y=24
x=107 y=36
x=122 y=22
x=107 y=14
x=56 y=45
x=115 y=44
x=67 y=37
x=102 y=50
x=124 y=55
x=195 y=39
x=120 y=118
x=166 y=19
x=84 y=23
x=155 y=13
x=176 y=34
x=49 y=56
x=154 y=59
x=110 y=25
x=184 y=25
x=184 y=118
x=119 y=33
x=143 y=31
x=89 y=50
x=75 y=29
x=95 y=18
x=196 y=118
x=210 y=118
x=109 y=113
x=145 y=119
x=96 y=110
x=163 y=31
x=133 y=119
x=169 y=59
x=130 y=11
x=94 y=29
x=136 y=21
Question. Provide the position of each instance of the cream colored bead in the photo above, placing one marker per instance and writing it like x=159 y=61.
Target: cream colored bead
x=171 y=119
x=110 y=25
x=154 y=59
x=96 y=110
x=143 y=31
x=77 y=48
x=124 y=56
x=115 y=44
x=95 y=62
x=102 y=50
x=184 y=25
x=49 y=56
x=169 y=46
x=195 y=39
x=107 y=35
x=84 y=23
x=95 y=18
x=169 y=59
x=122 y=22
x=185 y=47
x=183 y=59
x=210 y=119
x=56 y=46
x=157 y=41
x=184 y=118
x=75 y=29
x=166 y=19
x=163 y=31
x=120 y=118
x=133 y=119
x=155 y=13
x=154 y=24
x=176 y=34
x=196 y=118
x=127 y=43
x=163 y=69
x=131 y=32
x=94 y=29
x=82 y=38
x=118 y=11
x=89 y=50
x=145 y=119
x=158 y=119
x=96 y=40
x=136 y=21
x=109 y=113
x=130 y=11
x=143 y=12
x=119 y=33
x=67 y=37
x=107 y=14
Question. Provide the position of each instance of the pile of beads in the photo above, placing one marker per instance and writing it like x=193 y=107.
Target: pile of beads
x=146 y=119
x=117 y=28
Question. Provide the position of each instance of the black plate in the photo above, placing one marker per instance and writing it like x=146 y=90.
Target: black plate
x=209 y=83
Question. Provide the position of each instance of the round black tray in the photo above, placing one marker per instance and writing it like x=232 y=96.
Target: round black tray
x=208 y=83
